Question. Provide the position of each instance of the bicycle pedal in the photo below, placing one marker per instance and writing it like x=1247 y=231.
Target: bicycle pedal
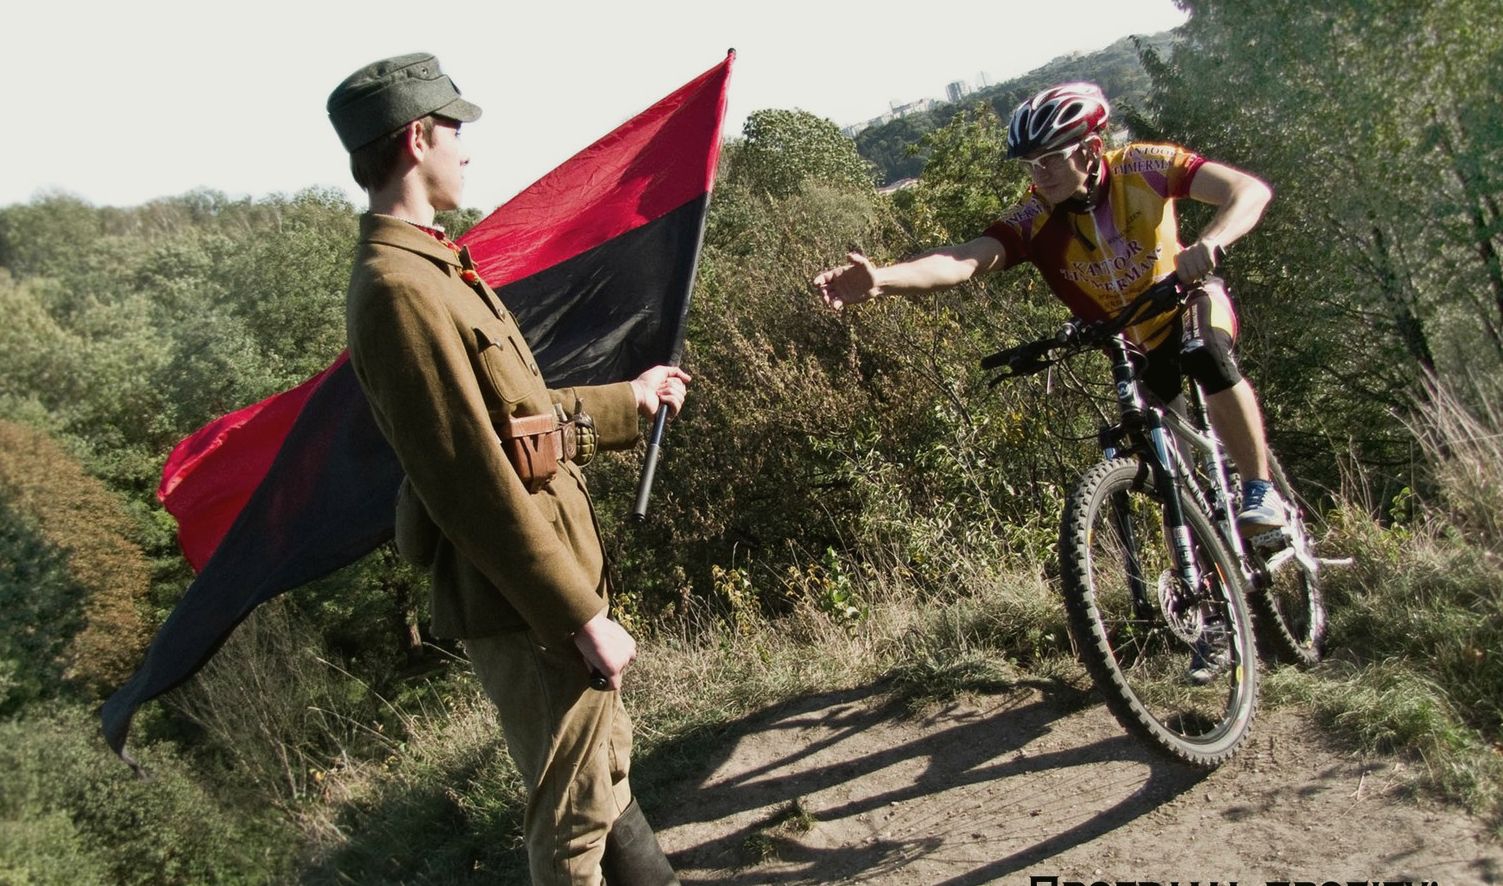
x=1271 y=540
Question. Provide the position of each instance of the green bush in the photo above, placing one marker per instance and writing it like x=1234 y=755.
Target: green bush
x=72 y=811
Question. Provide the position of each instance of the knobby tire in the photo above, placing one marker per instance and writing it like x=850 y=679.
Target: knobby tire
x=1112 y=538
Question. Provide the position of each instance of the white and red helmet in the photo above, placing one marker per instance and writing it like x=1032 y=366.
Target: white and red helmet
x=1057 y=117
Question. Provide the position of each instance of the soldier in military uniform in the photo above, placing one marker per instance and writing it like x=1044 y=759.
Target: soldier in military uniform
x=494 y=503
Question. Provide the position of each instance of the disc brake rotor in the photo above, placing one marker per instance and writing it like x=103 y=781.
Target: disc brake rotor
x=1181 y=613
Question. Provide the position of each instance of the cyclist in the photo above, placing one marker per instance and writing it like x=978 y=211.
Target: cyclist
x=1100 y=226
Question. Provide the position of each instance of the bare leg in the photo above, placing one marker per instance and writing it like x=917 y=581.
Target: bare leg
x=1235 y=415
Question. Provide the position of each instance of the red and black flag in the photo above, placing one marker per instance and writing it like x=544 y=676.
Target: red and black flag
x=596 y=261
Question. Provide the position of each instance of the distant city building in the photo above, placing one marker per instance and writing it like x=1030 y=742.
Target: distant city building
x=914 y=107
x=954 y=92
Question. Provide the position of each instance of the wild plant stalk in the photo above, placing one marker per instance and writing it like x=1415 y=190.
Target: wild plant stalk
x=1464 y=447
x=1417 y=623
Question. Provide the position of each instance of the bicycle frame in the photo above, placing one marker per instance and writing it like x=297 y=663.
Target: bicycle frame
x=1154 y=570
x=1152 y=433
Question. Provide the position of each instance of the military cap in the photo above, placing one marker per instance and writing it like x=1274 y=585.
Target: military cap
x=386 y=95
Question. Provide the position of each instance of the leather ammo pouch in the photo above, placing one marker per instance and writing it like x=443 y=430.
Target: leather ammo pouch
x=534 y=444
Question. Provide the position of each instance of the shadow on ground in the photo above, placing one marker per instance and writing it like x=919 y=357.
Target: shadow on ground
x=846 y=786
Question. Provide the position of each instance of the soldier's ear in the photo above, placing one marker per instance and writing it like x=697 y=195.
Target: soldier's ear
x=415 y=140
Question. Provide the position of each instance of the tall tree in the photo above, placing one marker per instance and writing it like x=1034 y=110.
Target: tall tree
x=1377 y=261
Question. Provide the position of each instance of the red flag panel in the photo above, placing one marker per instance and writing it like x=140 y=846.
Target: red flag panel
x=211 y=474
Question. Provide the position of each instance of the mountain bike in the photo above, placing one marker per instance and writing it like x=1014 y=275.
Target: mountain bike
x=1157 y=582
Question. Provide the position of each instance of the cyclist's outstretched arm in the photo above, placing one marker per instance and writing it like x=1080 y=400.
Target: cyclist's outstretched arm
x=1240 y=198
x=859 y=280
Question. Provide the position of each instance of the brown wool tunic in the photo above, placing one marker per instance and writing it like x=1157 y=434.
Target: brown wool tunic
x=443 y=364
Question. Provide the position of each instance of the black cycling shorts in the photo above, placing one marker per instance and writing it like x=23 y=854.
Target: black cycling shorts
x=1212 y=364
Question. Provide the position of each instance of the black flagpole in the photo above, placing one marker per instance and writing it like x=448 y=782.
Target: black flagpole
x=660 y=421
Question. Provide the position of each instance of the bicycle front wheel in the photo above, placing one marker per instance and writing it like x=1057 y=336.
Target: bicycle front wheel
x=1176 y=664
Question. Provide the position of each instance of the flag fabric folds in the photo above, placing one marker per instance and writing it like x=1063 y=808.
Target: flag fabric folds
x=234 y=452
x=595 y=260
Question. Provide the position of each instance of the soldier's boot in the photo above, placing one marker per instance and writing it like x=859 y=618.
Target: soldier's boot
x=632 y=854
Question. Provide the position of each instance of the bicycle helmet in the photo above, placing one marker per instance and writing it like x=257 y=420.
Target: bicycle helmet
x=1055 y=118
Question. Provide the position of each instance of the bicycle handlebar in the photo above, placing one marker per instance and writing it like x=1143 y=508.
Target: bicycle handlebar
x=1078 y=335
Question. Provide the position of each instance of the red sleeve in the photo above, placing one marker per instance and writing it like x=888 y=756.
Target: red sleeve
x=1016 y=229
x=1186 y=164
x=1014 y=248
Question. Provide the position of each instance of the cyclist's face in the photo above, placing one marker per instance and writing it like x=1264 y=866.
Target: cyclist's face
x=1061 y=174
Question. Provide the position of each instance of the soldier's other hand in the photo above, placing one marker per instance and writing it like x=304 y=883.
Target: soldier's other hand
x=606 y=647
x=849 y=284
x=667 y=385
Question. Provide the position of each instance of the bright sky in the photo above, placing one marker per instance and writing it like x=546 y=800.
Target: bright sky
x=122 y=102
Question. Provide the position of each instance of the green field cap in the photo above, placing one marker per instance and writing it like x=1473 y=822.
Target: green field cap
x=384 y=96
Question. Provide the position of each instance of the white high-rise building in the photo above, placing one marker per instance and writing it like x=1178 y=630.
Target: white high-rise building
x=957 y=91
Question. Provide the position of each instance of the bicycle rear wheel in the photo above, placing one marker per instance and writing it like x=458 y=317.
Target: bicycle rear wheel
x=1291 y=614
x=1139 y=631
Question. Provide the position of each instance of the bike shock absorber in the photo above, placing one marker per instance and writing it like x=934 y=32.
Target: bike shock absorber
x=1128 y=398
x=1170 y=482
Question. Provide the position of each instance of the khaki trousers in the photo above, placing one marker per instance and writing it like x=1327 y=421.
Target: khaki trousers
x=571 y=743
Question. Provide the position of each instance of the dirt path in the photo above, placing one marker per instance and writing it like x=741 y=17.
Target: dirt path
x=1006 y=787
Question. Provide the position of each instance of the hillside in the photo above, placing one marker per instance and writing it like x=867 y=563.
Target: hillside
x=892 y=147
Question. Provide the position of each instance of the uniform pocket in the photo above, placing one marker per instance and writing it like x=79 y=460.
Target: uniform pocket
x=511 y=374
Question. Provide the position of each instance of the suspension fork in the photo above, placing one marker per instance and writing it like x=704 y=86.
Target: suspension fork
x=1167 y=477
x=1144 y=606
x=1163 y=463
x=1136 y=583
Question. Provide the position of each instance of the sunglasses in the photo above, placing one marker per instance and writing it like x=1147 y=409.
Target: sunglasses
x=1053 y=158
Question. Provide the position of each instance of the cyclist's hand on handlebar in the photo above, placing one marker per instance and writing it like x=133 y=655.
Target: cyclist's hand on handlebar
x=1196 y=261
x=849 y=284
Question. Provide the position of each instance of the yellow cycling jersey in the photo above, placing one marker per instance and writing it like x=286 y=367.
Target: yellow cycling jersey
x=1098 y=260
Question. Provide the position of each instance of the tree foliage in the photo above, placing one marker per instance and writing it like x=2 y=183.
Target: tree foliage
x=1377 y=261
x=783 y=149
x=70 y=813
x=74 y=582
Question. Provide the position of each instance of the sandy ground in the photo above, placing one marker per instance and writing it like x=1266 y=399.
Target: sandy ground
x=1003 y=788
